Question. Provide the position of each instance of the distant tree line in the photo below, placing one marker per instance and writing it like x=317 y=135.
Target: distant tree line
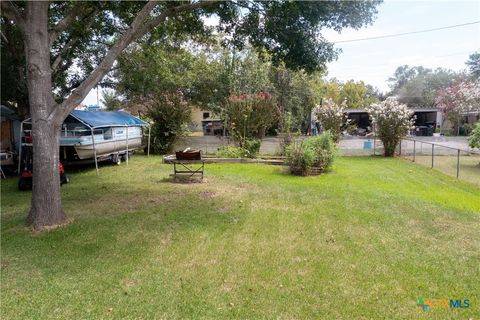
x=455 y=93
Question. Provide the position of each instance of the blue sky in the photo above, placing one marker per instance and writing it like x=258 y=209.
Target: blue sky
x=374 y=61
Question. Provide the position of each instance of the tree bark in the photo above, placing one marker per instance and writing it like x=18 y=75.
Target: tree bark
x=389 y=147
x=46 y=209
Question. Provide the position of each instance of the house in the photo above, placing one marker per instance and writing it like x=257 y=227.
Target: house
x=206 y=122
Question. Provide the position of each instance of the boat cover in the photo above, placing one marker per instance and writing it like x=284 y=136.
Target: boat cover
x=98 y=119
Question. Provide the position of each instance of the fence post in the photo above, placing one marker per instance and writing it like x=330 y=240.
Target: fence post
x=458 y=162
x=400 y=148
x=433 y=147
x=414 y=145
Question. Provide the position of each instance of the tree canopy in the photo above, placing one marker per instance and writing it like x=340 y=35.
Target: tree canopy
x=83 y=32
x=418 y=87
x=473 y=64
x=353 y=94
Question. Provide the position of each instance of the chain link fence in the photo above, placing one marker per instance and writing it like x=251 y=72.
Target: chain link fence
x=460 y=163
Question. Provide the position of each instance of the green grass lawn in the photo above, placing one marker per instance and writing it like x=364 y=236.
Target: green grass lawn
x=364 y=241
x=469 y=167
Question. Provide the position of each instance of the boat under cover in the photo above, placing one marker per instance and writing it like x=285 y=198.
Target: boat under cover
x=88 y=133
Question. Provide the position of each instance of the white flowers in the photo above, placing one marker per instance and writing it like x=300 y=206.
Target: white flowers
x=391 y=111
x=392 y=121
x=332 y=117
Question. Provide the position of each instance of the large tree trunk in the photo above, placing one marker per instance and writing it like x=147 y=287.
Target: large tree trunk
x=46 y=207
x=46 y=210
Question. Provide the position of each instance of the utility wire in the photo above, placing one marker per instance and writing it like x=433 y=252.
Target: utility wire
x=407 y=33
x=357 y=69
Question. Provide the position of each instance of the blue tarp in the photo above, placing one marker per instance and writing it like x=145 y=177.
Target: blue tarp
x=100 y=119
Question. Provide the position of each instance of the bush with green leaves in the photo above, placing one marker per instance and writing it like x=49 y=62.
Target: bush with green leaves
x=324 y=147
x=318 y=151
x=299 y=159
x=170 y=114
x=230 y=152
x=250 y=115
x=474 y=139
x=249 y=150
x=285 y=131
x=252 y=147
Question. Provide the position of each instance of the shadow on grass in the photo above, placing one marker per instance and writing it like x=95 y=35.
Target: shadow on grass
x=186 y=180
x=119 y=233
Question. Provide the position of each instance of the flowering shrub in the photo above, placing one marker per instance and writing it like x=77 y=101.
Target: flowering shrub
x=318 y=151
x=392 y=121
x=332 y=117
x=459 y=98
x=474 y=139
x=249 y=115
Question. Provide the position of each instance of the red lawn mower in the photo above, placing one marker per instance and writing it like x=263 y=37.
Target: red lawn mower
x=26 y=167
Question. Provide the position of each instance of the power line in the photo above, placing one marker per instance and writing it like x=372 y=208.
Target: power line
x=407 y=33
x=442 y=57
x=457 y=54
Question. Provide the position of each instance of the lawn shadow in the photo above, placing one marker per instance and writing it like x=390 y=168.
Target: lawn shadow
x=186 y=180
x=121 y=227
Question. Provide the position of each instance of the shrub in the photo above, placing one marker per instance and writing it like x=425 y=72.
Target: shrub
x=249 y=115
x=474 y=139
x=324 y=148
x=250 y=150
x=170 y=114
x=252 y=147
x=299 y=159
x=318 y=151
x=392 y=121
x=332 y=117
x=230 y=152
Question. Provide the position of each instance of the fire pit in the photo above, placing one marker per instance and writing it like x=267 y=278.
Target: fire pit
x=189 y=162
